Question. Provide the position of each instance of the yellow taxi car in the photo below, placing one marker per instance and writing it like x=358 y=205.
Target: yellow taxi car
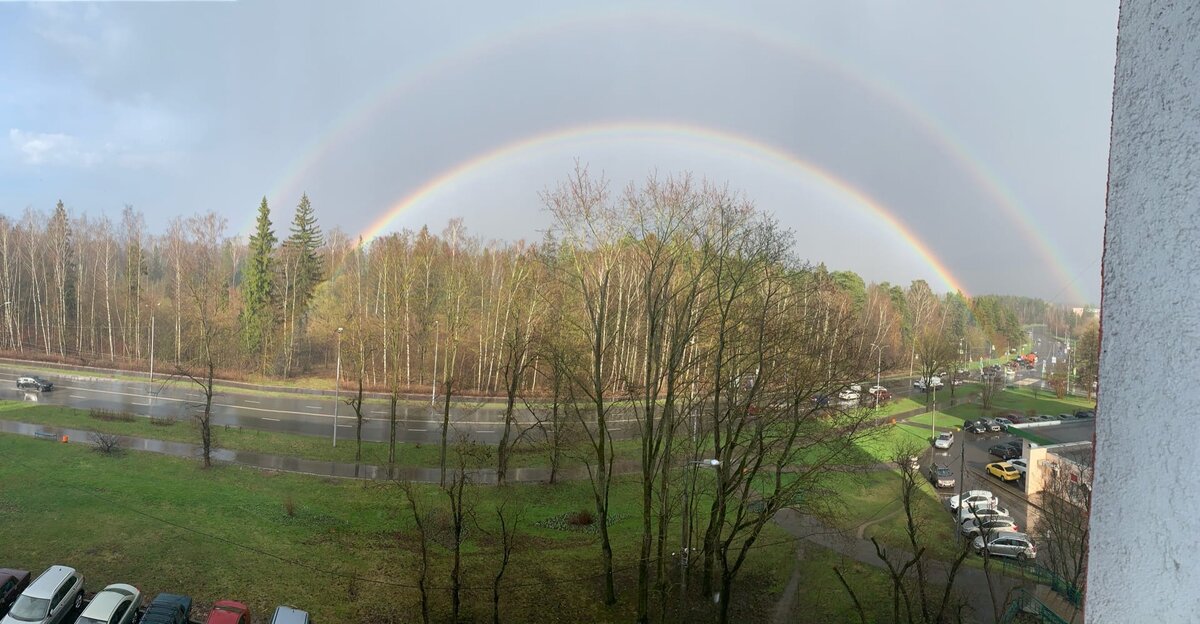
x=1003 y=471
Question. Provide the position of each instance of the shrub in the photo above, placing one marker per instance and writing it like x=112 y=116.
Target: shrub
x=289 y=506
x=162 y=421
x=111 y=416
x=107 y=443
x=580 y=518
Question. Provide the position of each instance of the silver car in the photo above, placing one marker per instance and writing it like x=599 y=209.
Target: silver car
x=972 y=527
x=1006 y=544
x=49 y=598
x=117 y=604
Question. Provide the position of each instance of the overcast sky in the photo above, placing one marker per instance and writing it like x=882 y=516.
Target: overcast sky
x=981 y=127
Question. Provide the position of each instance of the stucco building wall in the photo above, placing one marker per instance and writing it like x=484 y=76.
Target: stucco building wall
x=1144 y=530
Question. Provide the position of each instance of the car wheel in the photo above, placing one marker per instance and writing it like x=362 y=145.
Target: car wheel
x=1022 y=557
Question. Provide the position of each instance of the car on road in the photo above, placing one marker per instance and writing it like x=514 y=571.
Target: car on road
x=874 y=390
x=228 y=612
x=167 y=609
x=941 y=476
x=12 y=583
x=974 y=499
x=944 y=440
x=1020 y=465
x=972 y=527
x=49 y=598
x=1005 y=544
x=34 y=383
x=848 y=394
x=1085 y=414
x=1004 y=451
x=1003 y=471
x=116 y=604
x=982 y=513
x=976 y=426
x=289 y=615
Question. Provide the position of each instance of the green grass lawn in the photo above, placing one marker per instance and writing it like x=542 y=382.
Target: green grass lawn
x=294 y=445
x=820 y=596
x=346 y=551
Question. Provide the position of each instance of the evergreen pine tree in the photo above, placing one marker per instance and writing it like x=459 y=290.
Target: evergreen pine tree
x=258 y=288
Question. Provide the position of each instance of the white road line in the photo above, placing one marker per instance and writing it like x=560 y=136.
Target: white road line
x=486 y=431
x=312 y=407
x=75 y=396
x=254 y=402
x=142 y=404
x=379 y=412
x=347 y=426
x=270 y=419
x=411 y=429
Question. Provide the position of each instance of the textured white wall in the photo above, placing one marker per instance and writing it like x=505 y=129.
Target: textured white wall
x=1145 y=542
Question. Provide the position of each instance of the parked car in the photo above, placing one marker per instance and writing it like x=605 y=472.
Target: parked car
x=1003 y=471
x=116 y=604
x=1004 y=451
x=1020 y=465
x=972 y=527
x=982 y=512
x=944 y=440
x=12 y=583
x=49 y=598
x=289 y=615
x=1006 y=544
x=974 y=499
x=940 y=476
x=874 y=390
x=34 y=383
x=977 y=426
x=1004 y=423
x=1014 y=418
x=228 y=612
x=1065 y=417
x=167 y=609
x=994 y=426
x=848 y=395
x=1085 y=414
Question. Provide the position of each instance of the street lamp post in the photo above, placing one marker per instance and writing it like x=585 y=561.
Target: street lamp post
x=433 y=394
x=686 y=538
x=878 y=369
x=337 y=385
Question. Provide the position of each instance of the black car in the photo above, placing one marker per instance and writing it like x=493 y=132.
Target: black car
x=33 y=382
x=167 y=609
x=977 y=426
x=1005 y=451
x=1085 y=414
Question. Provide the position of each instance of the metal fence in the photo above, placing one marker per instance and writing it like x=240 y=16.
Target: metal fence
x=1027 y=603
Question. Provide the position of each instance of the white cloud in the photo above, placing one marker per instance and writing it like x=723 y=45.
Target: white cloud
x=41 y=148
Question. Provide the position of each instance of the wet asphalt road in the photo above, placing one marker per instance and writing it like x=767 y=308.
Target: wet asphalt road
x=303 y=414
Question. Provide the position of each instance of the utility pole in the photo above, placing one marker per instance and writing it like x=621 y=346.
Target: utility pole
x=337 y=386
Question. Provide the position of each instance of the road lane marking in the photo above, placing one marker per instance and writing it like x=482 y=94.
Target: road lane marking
x=254 y=402
x=346 y=426
x=379 y=412
x=486 y=431
x=312 y=407
x=270 y=419
x=411 y=429
x=142 y=404
x=75 y=396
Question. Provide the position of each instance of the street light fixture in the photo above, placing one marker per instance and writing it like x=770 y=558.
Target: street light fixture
x=337 y=386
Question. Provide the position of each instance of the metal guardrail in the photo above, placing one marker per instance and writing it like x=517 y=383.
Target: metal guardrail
x=1025 y=602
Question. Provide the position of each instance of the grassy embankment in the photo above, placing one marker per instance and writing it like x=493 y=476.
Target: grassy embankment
x=345 y=550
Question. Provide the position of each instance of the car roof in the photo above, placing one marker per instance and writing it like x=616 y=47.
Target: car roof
x=289 y=615
x=105 y=602
x=48 y=582
x=1010 y=535
x=970 y=493
x=13 y=573
x=226 y=612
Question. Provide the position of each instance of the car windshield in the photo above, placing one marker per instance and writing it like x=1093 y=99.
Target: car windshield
x=943 y=472
x=88 y=620
x=28 y=609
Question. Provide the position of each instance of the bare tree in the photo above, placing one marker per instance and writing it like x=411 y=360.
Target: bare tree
x=422 y=571
x=510 y=521
x=106 y=443
x=1061 y=526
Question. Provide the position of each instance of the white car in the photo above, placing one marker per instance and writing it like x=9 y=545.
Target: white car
x=974 y=499
x=117 y=604
x=1005 y=544
x=848 y=395
x=873 y=390
x=1020 y=465
x=944 y=440
x=982 y=512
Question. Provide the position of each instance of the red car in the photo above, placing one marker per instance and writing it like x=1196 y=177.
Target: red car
x=228 y=612
x=12 y=583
